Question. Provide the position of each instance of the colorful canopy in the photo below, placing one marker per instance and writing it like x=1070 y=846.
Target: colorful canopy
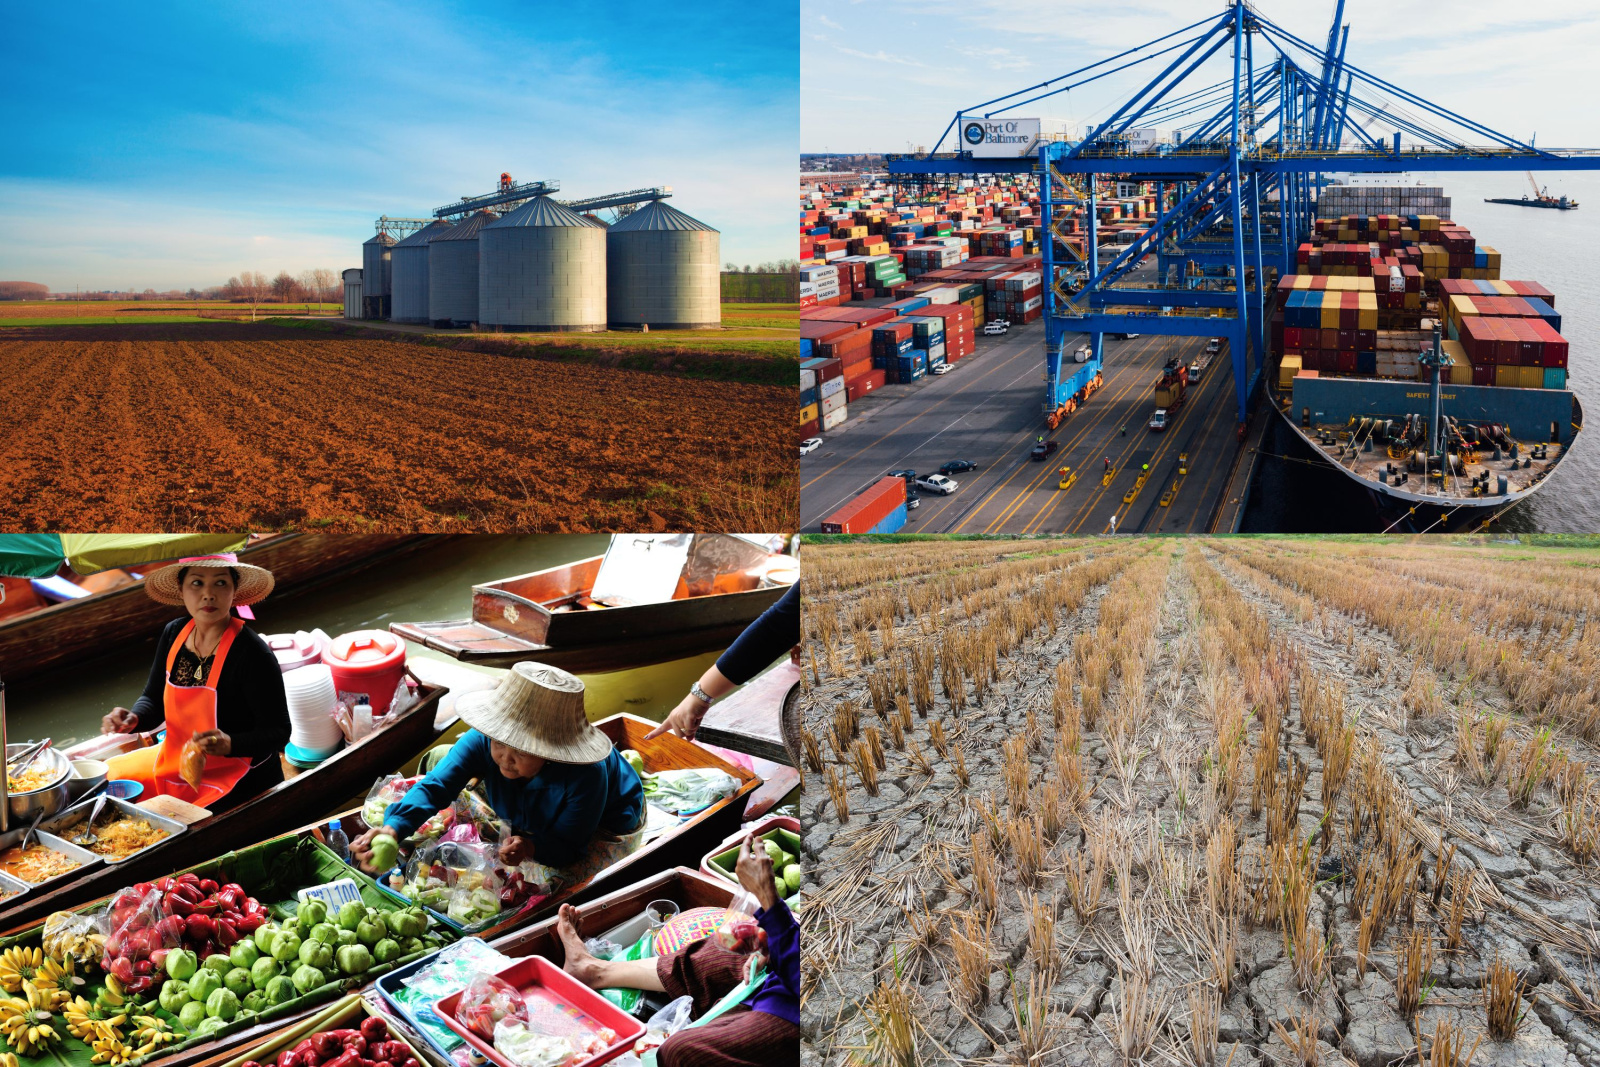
x=41 y=555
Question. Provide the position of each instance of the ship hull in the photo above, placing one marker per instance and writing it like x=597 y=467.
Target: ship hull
x=1529 y=203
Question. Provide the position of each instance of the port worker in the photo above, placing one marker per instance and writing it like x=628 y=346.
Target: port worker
x=1108 y=464
x=1113 y=524
x=547 y=772
x=762 y=1030
x=775 y=631
x=214 y=682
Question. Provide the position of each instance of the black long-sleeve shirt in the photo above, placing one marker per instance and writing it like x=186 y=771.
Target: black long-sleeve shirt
x=252 y=708
x=774 y=632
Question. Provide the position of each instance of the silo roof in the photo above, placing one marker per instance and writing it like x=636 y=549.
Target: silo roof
x=542 y=211
x=426 y=234
x=657 y=215
x=379 y=238
x=467 y=229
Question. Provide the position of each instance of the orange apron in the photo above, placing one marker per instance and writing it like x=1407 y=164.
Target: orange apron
x=189 y=710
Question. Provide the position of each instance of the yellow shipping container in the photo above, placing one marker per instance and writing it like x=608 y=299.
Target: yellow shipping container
x=1287 y=370
x=1532 y=377
x=1460 y=366
x=1508 y=377
x=808 y=414
x=1413 y=300
x=1504 y=289
x=1428 y=222
x=1492 y=256
x=1330 y=311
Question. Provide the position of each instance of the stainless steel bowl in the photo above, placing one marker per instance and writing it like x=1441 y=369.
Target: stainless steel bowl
x=47 y=799
x=87 y=775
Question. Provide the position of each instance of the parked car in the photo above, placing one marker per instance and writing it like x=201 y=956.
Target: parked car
x=1125 y=336
x=1158 y=421
x=943 y=368
x=1042 y=450
x=909 y=475
x=956 y=466
x=810 y=445
x=997 y=326
x=937 y=483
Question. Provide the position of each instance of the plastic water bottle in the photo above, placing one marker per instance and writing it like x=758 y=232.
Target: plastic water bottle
x=338 y=842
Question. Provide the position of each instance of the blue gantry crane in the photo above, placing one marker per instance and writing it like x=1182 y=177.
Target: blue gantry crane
x=1237 y=189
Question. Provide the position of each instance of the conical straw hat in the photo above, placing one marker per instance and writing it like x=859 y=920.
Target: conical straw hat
x=253 y=586
x=537 y=709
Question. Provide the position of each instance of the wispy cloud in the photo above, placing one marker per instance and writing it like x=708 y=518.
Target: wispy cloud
x=826 y=21
x=880 y=56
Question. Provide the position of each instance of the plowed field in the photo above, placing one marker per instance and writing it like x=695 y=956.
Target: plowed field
x=179 y=427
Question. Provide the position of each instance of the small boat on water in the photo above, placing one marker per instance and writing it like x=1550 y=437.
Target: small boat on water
x=305 y=798
x=711 y=587
x=38 y=632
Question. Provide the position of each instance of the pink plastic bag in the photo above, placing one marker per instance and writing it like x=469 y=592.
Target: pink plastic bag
x=486 y=1001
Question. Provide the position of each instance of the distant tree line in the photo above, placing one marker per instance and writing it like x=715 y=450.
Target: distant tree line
x=23 y=291
x=322 y=285
x=766 y=283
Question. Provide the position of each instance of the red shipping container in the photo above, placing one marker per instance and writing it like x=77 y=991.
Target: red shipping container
x=868 y=509
x=856 y=388
x=824 y=330
x=1366 y=340
x=1347 y=362
x=1347 y=339
x=1530 y=345
x=810 y=429
x=1329 y=339
x=1533 y=289
x=1482 y=374
x=826 y=370
x=861 y=365
x=1291 y=337
x=1554 y=353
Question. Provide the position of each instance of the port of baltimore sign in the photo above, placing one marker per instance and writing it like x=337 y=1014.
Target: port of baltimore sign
x=998 y=138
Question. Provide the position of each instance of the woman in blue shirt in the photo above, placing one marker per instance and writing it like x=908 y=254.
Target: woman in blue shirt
x=546 y=771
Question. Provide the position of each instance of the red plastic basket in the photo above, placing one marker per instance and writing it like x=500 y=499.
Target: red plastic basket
x=540 y=980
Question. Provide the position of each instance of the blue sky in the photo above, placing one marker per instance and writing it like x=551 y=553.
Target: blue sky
x=888 y=75
x=170 y=145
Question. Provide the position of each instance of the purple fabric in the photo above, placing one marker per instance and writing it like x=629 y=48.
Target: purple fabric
x=780 y=994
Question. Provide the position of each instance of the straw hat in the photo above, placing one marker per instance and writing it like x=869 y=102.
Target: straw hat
x=537 y=709
x=253 y=586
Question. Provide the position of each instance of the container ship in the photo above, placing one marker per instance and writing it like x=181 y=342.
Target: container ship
x=1558 y=203
x=1404 y=361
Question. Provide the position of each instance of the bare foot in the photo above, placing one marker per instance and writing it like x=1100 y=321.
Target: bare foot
x=581 y=963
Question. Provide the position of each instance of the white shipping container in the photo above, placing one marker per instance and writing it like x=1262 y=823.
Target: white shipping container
x=832 y=420
x=837 y=253
x=819 y=274
x=825 y=291
x=807 y=288
x=837 y=400
x=1024 y=280
x=944 y=295
x=1031 y=303
x=808 y=379
x=935 y=351
x=829 y=387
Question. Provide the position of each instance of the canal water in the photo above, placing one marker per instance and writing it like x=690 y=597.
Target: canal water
x=434 y=582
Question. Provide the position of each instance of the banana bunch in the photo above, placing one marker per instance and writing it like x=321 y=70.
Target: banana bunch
x=114 y=996
x=111 y=1050
x=9 y=1059
x=18 y=965
x=87 y=1020
x=25 y=1023
x=152 y=1033
x=66 y=936
x=61 y=978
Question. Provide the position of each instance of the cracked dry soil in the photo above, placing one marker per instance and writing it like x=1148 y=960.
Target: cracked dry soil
x=1141 y=801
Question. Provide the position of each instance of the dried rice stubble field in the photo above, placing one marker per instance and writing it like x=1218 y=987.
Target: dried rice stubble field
x=1092 y=801
x=223 y=426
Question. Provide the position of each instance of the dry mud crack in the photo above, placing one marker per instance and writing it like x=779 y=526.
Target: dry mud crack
x=1088 y=802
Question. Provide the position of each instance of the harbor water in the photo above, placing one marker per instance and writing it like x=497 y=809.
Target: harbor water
x=434 y=582
x=1295 y=493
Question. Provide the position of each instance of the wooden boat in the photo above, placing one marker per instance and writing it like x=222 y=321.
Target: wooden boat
x=684 y=886
x=305 y=798
x=681 y=846
x=547 y=616
x=51 y=635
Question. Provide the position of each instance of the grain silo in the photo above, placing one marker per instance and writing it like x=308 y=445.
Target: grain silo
x=353 y=307
x=408 y=278
x=375 y=275
x=663 y=270
x=542 y=267
x=453 y=272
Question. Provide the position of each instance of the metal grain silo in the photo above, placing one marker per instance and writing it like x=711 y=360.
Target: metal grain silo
x=663 y=270
x=375 y=276
x=408 y=279
x=353 y=307
x=453 y=272
x=542 y=267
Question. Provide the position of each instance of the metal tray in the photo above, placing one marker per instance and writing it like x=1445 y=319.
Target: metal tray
x=87 y=858
x=12 y=887
x=77 y=814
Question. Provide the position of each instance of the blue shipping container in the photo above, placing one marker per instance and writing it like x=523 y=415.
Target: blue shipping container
x=892 y=522
x=805 y=349
x=1546 y=312
x=808 y=397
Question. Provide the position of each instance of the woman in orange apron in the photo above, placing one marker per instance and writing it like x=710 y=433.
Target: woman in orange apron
x=214 y=683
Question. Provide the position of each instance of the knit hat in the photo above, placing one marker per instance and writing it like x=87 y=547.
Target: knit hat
x=254 y=582
x=537 y=709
